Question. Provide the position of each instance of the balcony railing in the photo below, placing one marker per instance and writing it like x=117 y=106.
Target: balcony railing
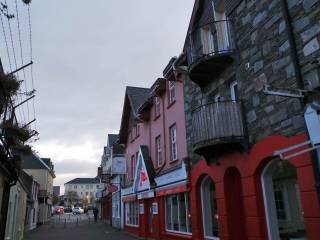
x=211 y=48
x=216 y=125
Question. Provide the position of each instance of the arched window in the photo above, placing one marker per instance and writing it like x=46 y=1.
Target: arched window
x=209 y=209
x=282 y=201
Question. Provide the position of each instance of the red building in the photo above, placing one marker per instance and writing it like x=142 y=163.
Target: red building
x=154 y=134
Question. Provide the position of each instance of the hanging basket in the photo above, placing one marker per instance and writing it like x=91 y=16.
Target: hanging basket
x=15 y=131
x=17 y=150
x=26 y=1
x=10 y=84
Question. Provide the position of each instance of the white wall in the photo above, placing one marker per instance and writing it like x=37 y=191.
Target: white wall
x=16 y=213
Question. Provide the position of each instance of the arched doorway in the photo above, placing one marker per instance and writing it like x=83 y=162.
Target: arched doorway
x=282 y=201
x=234 y=204
x=209 y=209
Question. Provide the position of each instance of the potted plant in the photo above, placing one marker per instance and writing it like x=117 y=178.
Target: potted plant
x=13 y=130
x=10 y=84
x=19 y=149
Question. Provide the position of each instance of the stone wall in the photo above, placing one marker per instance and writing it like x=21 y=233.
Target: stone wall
x=263 y=57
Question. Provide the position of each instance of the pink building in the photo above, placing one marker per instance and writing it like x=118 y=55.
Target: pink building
x=154 y=134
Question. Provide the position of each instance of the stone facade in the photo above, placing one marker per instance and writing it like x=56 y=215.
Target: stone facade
x=263 y=57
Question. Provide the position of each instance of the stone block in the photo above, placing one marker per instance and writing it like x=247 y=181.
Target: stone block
x=272 y=21
x=251 y=116
x=258 y=66
x=298 y=122
x=310 y=33
x=290 y=71
x=269 y=109
x=280 y=64
x=278 y=117
x=284 y=47
x=266 y=48
x=286 y=123
x=261 y=16
x=307 y=4
x=292 y=3
x=255 y=100
x=259 y=82
x=311 y=47
x=301 y=24
x=282 y=27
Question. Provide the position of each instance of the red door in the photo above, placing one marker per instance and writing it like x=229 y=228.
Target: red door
x=150 y=220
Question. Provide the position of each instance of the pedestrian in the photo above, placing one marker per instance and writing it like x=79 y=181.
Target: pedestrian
x=95 y=213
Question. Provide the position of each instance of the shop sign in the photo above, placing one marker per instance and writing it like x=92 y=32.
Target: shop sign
x=141 y=208
x=112 y=188
x=172 y=177
x=119 y=165
x=155 y=208
x=145 y=195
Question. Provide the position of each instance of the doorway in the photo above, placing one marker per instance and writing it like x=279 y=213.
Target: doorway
x=282 y=201
x=221 y=25
x=234 y=204
x=150 y=218
x=209 y=209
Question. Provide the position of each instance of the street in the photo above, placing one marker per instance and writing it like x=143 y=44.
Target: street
x=80 y=227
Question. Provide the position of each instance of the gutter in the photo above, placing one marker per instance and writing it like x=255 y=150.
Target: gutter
x=315 y=156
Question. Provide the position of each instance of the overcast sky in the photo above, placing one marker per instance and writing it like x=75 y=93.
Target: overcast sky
x=85 y=53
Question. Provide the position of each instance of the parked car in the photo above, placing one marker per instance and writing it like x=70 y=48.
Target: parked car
x=59 y=210
x=77 y=210
x=68 y=209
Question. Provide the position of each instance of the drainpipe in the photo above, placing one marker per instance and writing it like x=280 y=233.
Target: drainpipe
x=295 y=59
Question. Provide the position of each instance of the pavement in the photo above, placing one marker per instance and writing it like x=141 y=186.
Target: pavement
x=79 y=227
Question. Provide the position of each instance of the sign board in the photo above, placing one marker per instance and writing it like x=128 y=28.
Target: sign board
x=154 y=208
x=112 y=188
x=145 y=195
x=141 y=179
x=312 y=119
x=141 y=208
x=119 y=165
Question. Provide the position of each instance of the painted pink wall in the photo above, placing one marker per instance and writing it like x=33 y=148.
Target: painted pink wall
x=169 y=115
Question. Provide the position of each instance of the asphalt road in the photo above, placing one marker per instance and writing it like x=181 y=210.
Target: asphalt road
x=78 y=227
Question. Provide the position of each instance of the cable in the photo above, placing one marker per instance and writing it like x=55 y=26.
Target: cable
x=21 y=55
x=31 y=67
x=6 y=42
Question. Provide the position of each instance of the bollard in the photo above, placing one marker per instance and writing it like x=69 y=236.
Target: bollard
x=77 y=221
x=65 y=223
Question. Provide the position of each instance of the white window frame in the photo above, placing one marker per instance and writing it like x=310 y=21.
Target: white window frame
x=233 y=93
x=173 y=143
x=157 y=106
x=127 y=207
x=207 y=40
x=217 y=98
x=171 y=91
x=159 y=151
x=169 y=198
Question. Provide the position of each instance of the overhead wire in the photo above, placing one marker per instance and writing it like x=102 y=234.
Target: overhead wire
x=21 y=56
x=21 y=108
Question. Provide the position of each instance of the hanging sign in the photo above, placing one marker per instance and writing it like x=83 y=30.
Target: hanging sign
x=112 y=188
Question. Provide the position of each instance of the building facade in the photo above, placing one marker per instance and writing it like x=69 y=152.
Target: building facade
x=250 y=70
x=156 y=202
x=82 y=191
x=42 y=171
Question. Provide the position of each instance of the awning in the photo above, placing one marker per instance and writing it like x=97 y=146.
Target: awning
x=129 y=198
x=172 y=189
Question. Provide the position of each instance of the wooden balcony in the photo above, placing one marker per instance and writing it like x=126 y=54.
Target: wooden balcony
x=217 y=127
x=212 y=49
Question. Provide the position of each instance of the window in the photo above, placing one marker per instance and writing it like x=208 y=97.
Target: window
x=279 y=201
x=87 y=186
x=173 y=142
x=207 y=40
x=234 y=91
x=171 y=92
x=133 y=166
x=75 y=187
x=91 y=186
x=158 y=151
x=157 y=106
x=132 y=214
x=177 y=213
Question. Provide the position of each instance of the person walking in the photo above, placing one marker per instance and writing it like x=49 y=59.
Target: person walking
x=95 y=213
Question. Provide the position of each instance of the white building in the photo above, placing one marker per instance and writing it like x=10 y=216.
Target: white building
x=85 y=189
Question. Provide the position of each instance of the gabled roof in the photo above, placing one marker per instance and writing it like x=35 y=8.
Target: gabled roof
x=31 y=161
x=112 y=139
x=134 y=98
x=84 y=181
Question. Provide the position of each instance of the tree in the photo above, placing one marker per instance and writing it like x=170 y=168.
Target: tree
x=72 y=197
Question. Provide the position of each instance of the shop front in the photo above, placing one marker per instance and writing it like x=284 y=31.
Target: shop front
x=258 y=195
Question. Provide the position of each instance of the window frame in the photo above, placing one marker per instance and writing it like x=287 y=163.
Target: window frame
x=134 y=205
x=234 y=94
x=171 y=92
x=157 y=106
x=187 y=212
x=159 y=159
x=173 y=143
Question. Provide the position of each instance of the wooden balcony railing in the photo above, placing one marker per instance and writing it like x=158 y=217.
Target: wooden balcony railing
x=216 y=124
